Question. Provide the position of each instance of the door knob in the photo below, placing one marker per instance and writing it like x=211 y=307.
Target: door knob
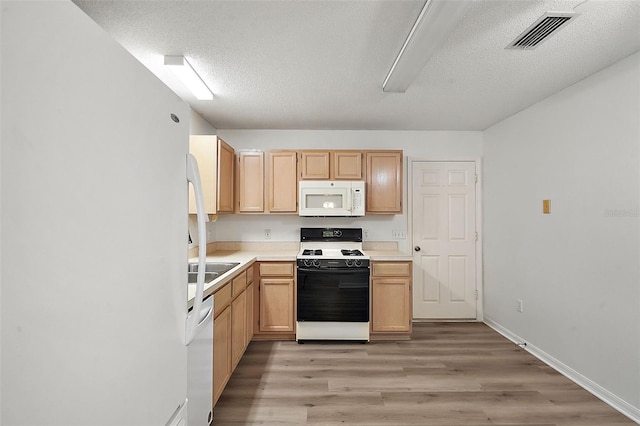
x=417 y=248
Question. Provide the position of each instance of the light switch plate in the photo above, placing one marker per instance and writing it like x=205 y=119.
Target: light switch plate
x=546 y=206
x=398 y=235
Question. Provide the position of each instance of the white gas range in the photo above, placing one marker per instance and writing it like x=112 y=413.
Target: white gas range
x=332 y=285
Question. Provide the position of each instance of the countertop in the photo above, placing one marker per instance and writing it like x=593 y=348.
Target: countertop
x=245 y=257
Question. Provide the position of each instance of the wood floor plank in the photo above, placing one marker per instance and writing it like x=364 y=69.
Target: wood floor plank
x=449 y=374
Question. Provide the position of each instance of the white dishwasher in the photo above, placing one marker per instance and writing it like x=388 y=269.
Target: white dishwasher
x=200 y=369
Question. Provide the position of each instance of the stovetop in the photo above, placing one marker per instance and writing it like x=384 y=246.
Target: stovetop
x=331 y=252
x=328 y=247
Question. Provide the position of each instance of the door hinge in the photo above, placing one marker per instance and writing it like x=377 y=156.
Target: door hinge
x=476 y=235
x=476 y=294
x=476 y=178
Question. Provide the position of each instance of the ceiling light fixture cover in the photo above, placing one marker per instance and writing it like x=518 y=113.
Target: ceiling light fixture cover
x=189 y=77
x=432 y=28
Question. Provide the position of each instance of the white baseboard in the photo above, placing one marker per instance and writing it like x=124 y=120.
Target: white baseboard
x=606 y=396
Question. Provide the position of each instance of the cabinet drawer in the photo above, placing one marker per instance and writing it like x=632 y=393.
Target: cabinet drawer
x=391 y=269
x=222 y=297
x=276 y=269
x=238 y=284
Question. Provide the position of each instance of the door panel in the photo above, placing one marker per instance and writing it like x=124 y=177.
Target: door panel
x=444 y=221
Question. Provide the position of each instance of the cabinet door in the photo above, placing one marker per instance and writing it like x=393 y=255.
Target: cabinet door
x=390 y=301
x=238 y=328
x=277 y=304
x=250 y=181
x=226 y=157
x=250 y=297
x=283 y=182
x=346 y=165
x=314 y=165
x=221 y=352
x=384 y=182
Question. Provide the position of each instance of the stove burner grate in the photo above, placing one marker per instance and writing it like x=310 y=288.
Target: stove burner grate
x=351 y=252
x=309 y=252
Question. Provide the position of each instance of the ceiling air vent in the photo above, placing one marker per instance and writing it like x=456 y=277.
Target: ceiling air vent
x=542 y=29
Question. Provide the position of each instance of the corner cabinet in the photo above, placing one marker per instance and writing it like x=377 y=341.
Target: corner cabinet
x=216 y=164
x=276 y=301
x=391 y=299
x=384 y=182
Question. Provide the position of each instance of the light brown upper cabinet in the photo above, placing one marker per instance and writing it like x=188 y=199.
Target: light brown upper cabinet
x=283 y=182
x=216 y=164
x=250 y=182
x=384 y=182
x=226 y=157
x=314 y=165
x=330 y=165
x=346 y=165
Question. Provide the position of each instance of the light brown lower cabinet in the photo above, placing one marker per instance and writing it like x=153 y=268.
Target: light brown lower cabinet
x=221 y=352
x=230 y=324
x=238 y=327
x=250 y=307
x=276 y=301
x=391 y=298
x=250 y=302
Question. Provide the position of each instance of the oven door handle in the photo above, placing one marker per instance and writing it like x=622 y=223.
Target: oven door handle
x=353 y=285
x=335 y=270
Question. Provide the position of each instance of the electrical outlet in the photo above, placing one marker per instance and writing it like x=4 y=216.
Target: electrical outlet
x=398 y=235
x=519 y=305
x=267 y=234
x=365 y=233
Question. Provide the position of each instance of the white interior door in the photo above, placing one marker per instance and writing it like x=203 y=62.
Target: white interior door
x=444 y=240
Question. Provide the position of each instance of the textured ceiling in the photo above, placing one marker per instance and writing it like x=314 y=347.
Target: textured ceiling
x=321 y=64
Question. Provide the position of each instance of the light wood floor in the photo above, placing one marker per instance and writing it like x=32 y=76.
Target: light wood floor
x=448 y=374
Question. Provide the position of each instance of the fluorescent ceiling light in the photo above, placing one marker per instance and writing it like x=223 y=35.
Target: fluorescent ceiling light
x=431 y=30
x=189 y=77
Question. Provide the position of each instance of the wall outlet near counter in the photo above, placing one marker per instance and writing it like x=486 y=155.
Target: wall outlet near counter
x=519 y=305
x=267 y=234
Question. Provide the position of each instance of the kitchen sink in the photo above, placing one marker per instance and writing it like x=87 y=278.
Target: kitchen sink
x=218 y=268
x=208 y=277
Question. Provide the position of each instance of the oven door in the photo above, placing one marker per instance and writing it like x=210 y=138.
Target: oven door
x=333 y=294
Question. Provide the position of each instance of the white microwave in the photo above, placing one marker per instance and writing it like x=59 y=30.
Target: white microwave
x=331 y=198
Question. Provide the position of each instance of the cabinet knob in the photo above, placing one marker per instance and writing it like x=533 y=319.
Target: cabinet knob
x=417 y=248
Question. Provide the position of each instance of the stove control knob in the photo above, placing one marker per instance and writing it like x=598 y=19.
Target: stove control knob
x=337 y=233
x=316 y=263
x=308 y=262
x=349 y=262
x=357 y=263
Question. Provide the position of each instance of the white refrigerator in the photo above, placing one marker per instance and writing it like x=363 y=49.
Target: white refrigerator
x=93 y=227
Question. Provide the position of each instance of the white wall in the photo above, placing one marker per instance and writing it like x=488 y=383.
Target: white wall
x=200 y=126
x=576 y=269
x=423 y=144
